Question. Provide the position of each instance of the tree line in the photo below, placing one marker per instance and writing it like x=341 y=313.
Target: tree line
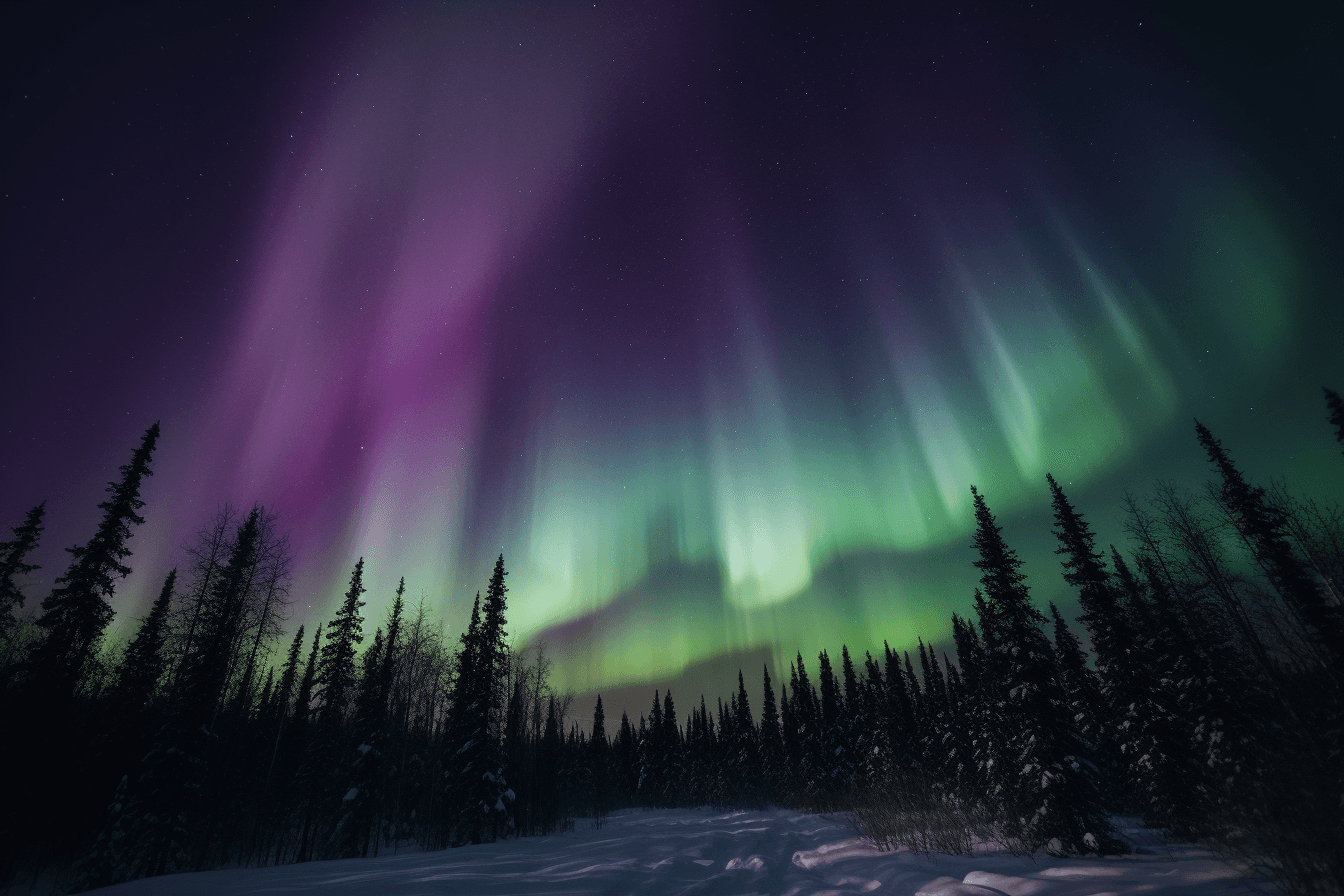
x=1212 y=707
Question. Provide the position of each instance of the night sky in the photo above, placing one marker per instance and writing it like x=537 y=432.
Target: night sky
x=707 y=316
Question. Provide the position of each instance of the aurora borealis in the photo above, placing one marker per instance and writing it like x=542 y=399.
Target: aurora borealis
x=706 y=316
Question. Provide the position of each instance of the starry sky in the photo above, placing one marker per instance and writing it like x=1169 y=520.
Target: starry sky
x=707 y=316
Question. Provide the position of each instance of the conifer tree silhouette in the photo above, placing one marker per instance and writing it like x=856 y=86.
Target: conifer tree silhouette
x=57 y=702
x=1085 y=569
x=772 y=742
x=625 y=763
x=1264 y=526
x=548 y=772
x=790 y=775
x=871 y=748
x=144 y=662
x=811 y=766
x=76 y=612
x=356 y=817
x=745 y=762
x=284 y=690
x=496 y=796
x=336 y=668
x=1047 y=799
x=898 y=712
x=14 y=565
x=478 y=793
x=1157 y=738
x=670 y=772
x=1336 y=406
x=599 y=758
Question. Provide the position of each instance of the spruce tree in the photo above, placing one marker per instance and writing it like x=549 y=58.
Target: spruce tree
x=267 y=693
x=626 y=763
x=322 y=775
x=942 y=747
x=869 y=724
x=916 y=698
x=372 y=721
x=1124 y=677
x=144 y=662
x=981 y=711
x=496 y=797
x=932 y=713
x=1048 y=800
x=897 y=713
x=517 y=754
x=336 y=668
x=293 y=769
x=671 y=773
x=847 y=761
x=356 y=821
x=705 y=766
x=812 y=765
x=289 y=675
x=391 y=655
x=59 y=801
x=548 y=772
x=14 y=565
x=1083 y=691
x=1336 y=406
x=494 y=640
x=1080 y=683
x=599 y=751
x=1155 y=732
x=1199 y=696
x=481 y=797
x=464 y=734
x=303 y=699
x=75 y=614
x=772 y=742
x=651 y=754
x=789 y=779
x=1085 y=569
x=746 y=759
x=1264 y=526
x=832 y=704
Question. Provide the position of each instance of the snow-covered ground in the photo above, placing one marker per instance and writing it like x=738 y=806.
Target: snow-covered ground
x=688 y=852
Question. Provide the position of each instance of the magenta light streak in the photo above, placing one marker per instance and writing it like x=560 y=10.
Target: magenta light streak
x=351 y=397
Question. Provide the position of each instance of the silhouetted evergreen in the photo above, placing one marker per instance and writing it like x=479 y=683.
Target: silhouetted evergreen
x=1336 y=406
x=13 y=566
x=76 y=612
x=772 y=743
x=1047 y=796
x=477 y=788
x=144 y=662
x=1157 y=740
x=599 y=750
x=1211 y=706
x=1264 y=527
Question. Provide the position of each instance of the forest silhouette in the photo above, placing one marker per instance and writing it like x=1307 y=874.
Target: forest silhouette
x=1210 y=705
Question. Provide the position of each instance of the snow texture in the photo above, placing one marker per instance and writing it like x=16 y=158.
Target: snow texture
x=684 y=852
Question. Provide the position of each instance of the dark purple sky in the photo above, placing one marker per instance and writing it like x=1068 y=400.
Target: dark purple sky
x=706 y=315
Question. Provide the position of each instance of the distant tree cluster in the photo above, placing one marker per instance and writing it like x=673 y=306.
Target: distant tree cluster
x=1212 y=707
